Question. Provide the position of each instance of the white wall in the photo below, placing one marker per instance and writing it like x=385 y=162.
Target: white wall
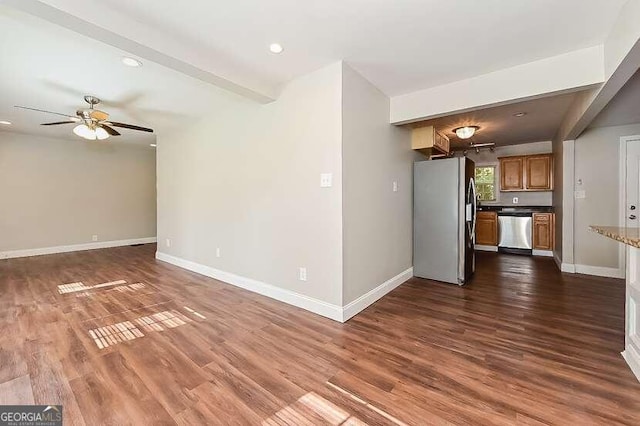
x=62 y=192
x=597 y=164
x=245 y=179
x=486 y=157
x=377 y=222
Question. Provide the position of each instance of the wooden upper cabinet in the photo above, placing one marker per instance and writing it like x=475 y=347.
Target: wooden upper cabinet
x=427 y=140
x=539 y=171
x=526 y=173
x=543 y=231
x=487 y=228
x=512 y=173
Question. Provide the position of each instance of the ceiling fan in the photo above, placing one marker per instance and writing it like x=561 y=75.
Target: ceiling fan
x=91 y=123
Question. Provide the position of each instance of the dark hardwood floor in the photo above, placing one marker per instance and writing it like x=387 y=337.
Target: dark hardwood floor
x=522 y=344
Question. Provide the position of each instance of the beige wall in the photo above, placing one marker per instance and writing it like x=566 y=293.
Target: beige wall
x=377 y=222
x=597 y=164
x=246 y=179
x=62 y=192
x=486 y=157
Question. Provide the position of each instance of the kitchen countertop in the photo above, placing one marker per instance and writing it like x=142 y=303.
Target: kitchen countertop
x=497 y=208
x=629 y=236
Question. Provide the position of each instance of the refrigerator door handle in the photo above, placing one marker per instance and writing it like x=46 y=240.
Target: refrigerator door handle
x=471 y=210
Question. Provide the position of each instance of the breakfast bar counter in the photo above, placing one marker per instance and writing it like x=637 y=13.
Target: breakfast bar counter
x=630 y=237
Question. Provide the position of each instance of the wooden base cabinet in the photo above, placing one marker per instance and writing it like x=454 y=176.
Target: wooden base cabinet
x=543 y=231
x=487 y=228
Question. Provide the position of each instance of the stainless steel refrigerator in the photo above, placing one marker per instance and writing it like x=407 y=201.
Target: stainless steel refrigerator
x=444 y=220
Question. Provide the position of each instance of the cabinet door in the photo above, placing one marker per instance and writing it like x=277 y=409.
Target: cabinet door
x=511 y=174
x=487 y=228
x=443 y=143
x=539 y=172
x=543 y=231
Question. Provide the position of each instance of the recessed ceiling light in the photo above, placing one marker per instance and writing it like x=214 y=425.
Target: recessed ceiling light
x=276 y=48
x=519 y=114
x=131 y=62
x=5 y=122
x=153 y=145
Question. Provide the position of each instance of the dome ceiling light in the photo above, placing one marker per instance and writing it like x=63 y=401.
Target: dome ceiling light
x=466 y=132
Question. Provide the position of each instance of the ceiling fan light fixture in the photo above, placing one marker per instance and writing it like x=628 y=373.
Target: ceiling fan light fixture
x=84 y=131
x=101 y=133
x=466 y=132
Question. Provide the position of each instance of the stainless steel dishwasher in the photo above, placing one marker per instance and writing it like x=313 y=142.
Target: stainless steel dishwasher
x=515 y=230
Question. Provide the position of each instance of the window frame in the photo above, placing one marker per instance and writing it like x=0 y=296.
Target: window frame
x=496 y=172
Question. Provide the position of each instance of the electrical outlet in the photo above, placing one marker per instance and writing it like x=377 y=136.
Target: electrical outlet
x=395 y=186
x=218 y=252
x=326 y=180
x=515 y=200
x=168 y=242
x=94 y=238
x=302 y=274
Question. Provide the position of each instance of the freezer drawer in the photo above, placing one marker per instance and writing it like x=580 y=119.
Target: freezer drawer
x=515 y=232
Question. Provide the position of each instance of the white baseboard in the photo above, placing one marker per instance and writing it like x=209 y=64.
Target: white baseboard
x=328 y=310
x=568 y=267
x=316 y=306
x=558 y=261
x=545 y=253
x=362 y=302
x=633 y=360
x=480 y=247
x=600 y=271
x=75 y=247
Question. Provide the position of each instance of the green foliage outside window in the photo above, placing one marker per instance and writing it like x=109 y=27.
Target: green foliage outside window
x=486 y=183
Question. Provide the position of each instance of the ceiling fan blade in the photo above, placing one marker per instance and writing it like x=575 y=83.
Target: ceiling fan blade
x=58 y=122
x=130 y=126
x=42 y=110
x=110 y=130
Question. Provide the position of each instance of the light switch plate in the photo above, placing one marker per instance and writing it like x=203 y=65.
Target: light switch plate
x=581 y=194
x=326 y=180
x=395 y=186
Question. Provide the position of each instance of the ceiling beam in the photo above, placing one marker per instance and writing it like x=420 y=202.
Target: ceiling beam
x=256 y=90
x=573 y=71
x=621 y=61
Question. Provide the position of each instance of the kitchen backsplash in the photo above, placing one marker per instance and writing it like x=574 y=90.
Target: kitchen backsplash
x=524 y=199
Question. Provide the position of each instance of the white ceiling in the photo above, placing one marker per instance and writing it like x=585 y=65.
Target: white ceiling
x=624 y=108
x=51 y=68
x=400 y=46
x=498 y=124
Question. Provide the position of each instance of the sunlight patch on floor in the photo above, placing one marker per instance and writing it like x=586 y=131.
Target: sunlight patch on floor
x=162 y=320
x=199 y=315
x=368 y=405
x=113 y=334
x=298 y=413
x=79 y=286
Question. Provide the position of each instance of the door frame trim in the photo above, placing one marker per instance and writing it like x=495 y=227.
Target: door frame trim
x=622 y=208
